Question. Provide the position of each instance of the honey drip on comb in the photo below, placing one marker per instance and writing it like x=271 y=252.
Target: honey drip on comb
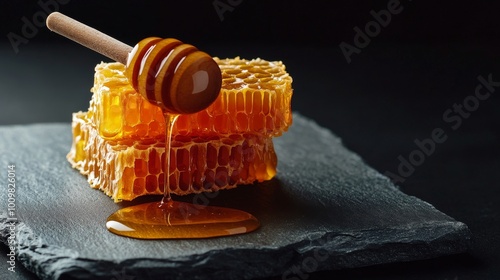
x=169 y=219
x=169 y=125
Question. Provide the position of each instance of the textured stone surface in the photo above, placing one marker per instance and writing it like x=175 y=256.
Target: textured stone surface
x=326 y=209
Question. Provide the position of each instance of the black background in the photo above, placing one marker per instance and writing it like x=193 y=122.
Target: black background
x=310 y=23
x=394 y=91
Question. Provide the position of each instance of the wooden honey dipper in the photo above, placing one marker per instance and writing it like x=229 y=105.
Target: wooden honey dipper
x=177 y=77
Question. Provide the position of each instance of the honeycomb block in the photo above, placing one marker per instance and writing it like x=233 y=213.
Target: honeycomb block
x=130 y=168
x=255 y=99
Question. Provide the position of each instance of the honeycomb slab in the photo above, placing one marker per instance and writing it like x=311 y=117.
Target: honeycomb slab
x=119 y=142
x=255 y=98
x=127 y=169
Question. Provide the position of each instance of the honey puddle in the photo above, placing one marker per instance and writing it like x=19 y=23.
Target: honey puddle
x=176 y=220
x=169 y=219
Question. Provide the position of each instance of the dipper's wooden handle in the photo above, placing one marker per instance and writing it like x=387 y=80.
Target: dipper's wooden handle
x=88 y=37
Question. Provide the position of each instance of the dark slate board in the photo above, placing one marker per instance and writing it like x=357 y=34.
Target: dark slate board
x=326 y=209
